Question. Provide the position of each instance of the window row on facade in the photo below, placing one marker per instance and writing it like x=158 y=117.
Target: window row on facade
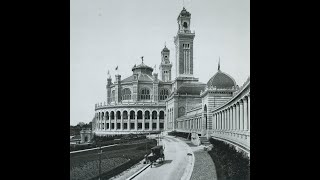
x=144 y=94
x=129 y=126
x=129 y=115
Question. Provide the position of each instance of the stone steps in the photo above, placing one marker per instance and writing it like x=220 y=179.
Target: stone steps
x=204 y=141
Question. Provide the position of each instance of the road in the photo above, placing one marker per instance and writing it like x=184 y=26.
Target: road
x=177 y=165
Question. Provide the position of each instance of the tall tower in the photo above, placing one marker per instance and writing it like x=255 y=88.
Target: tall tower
x=165 y=66
x=184 y=46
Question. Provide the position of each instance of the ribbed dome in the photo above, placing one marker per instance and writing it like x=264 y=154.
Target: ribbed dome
x=142 y=68
x=221 y=81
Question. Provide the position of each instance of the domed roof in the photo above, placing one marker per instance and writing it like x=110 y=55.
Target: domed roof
x=142 y=66
x=165 y=49
x=184 y=12
x=221 y=80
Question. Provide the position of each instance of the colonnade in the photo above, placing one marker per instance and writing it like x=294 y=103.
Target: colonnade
x=235 y=117
x=135 y=120
x=193 y=124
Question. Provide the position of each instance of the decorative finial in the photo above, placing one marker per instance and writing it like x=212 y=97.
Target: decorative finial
x=142 y=59
x=219 y=64
x=108 y=72
x=165 y=44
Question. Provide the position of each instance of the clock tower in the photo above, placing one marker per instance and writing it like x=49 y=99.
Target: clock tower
x=184 y=45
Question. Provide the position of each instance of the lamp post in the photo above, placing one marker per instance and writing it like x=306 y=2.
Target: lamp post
x=100 y=161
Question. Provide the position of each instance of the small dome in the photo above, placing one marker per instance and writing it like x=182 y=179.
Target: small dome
x=165 y=49
x=221 y=80
x=184 y=12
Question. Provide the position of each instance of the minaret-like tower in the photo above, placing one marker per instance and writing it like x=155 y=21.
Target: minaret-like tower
x=165 y=66
x=184 y=46
x=109 y=83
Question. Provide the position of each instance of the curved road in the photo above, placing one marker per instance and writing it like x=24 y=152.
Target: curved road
x=177 y=164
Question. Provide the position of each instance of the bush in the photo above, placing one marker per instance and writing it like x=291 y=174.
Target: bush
x=230 y=164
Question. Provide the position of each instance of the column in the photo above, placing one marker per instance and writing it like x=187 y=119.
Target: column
x=237 y=116
x=143 y=121
x=223 y=120
x=158 y=121
x=109 y=122
x=136 y=121
x=231 y=117
x=249 y=112
x=227 y=119
x=245 y=114
x=241 y=115
x=121 y=123
x=219 y=119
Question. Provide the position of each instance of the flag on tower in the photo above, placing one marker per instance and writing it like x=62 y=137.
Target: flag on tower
x=117 y=68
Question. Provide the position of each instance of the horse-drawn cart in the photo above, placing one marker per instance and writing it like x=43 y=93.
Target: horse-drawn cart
x=156 y=153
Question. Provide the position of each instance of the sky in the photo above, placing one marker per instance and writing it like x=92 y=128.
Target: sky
x=105 y=34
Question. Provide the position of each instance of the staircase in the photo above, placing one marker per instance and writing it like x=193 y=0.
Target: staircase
x=204 y=140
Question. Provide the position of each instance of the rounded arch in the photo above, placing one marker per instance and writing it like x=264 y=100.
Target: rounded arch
x=125 y=114
x=113 y=95
x=164 y=93
x=145 y=93
x=139 y=114
x=147 y=114
x=161 y=114
x=107 y=115
x=118 y=114
x=154 y=114
x=132 y=114
x=102 y=115
x=112 y=115
x=126 y=94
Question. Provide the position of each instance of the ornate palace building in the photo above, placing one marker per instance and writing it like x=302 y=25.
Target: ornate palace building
x=144 y=102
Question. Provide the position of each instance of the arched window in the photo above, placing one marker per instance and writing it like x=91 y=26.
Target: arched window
x=132 y=115
x=145 y=94
x=181 y=111
x=113 y=94
x=163 y=94
x=161 y=116
x=147 y=115
x=126 y=94
x=154 y=114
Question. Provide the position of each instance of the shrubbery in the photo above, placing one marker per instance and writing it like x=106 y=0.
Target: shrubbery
x=115 y=160
x=229 y=163
x=107 y=140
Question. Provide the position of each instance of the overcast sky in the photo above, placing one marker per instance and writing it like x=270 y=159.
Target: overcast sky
x=109 y=33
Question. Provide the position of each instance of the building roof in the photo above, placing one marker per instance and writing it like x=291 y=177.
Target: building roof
x=192 y=88
x=142 y=66
x=165 y=49
x=184 y=13
x=221 y=80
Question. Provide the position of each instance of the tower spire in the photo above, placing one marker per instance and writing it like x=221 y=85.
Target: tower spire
x=219 y=64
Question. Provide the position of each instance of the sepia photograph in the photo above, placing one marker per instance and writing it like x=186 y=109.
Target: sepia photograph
x=159 y=90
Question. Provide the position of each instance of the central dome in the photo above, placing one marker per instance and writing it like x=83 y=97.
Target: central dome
x=221 y=80
x=142 y=68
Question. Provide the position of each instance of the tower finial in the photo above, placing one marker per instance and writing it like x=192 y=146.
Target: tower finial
x=165 y=44
x=219 y=64
x=142 y=59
